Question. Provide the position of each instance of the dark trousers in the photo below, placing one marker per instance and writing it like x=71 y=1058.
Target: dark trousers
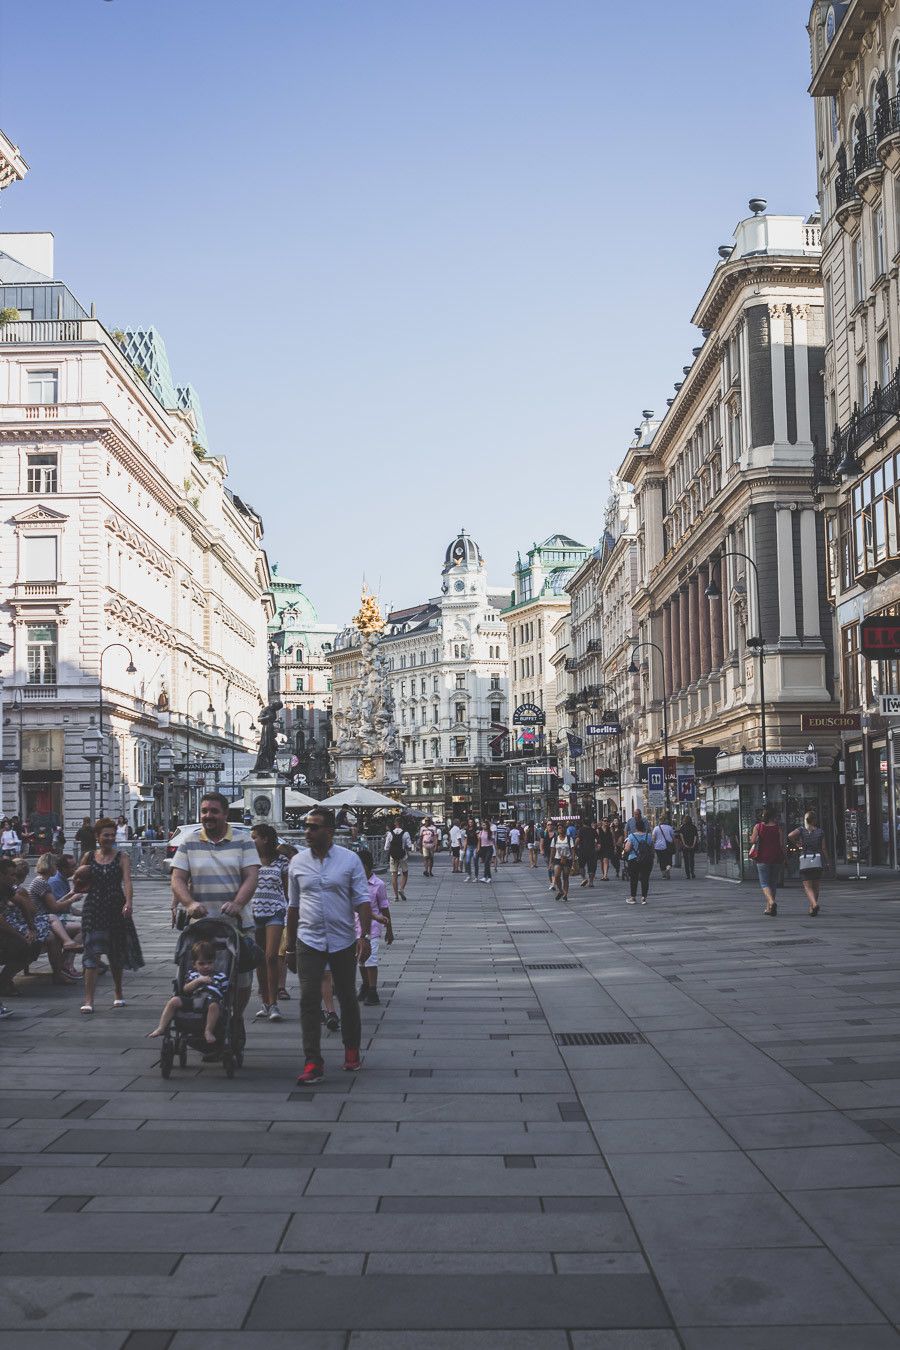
x=485 y=854
x=638 y=873
x=688 y=857
x=311 y=967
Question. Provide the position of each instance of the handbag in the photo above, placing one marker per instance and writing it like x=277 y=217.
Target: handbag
x=810 y=862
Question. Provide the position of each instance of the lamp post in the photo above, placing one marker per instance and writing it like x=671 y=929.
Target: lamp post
x=130 y=669
x=608 y=688
x=165 y=768
x=714 y=593
x=252 y=727
x=18 y=701
x=92 y=749
x=634 y=670
x=187 y=754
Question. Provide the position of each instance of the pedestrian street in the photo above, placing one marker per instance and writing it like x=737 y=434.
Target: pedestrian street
x=582 y=1126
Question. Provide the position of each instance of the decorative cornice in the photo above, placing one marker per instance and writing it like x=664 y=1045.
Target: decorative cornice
x=139 y=543
x=140 y=620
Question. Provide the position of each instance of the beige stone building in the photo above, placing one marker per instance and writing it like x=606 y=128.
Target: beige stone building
x=724 y=500
x=855 y=50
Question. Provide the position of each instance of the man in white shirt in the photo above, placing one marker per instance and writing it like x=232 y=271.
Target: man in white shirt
x=397 y=847
x=515 y=842
x=456 y=840
x=326 y=884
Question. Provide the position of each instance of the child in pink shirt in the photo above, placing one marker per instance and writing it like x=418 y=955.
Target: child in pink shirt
x=381 y=925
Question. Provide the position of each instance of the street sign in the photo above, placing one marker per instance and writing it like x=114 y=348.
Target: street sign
x=851 y=834
x=879 y=637
x=781 y=759
x=686 y=783
x=10 y=765
x=201 y=766
x=888 y=706
x=834 y=721
x=84 y=787
x=656 y=786
x=603 y=729
x=529 y=714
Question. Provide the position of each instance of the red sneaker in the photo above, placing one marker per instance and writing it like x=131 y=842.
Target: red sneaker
x=313 y=1072
x=352 y=1061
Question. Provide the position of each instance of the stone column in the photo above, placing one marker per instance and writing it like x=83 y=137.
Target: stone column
x=706 y=656
x=675 y=607
x=809 y=573
x=784 y=539
x=694 y=628
x=685 y=638
x=667 y=648
x=777 y=315
x=801 y=373
x=724 y=605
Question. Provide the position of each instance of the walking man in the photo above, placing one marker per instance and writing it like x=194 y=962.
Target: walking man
x=215 y=872
x=326 y=884
x=428 y=843
x=688 y=832
x=398 y=846
x=456 y=840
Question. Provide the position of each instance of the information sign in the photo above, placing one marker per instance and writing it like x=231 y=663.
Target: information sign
x=656 y=786
x=851 y=834
x=603 y=729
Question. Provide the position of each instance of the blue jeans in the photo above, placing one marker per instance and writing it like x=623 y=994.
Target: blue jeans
x=767 y=875
x=471 y=856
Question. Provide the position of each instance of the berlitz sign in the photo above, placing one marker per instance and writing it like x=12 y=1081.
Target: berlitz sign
x=832 y=721
x=879 y=638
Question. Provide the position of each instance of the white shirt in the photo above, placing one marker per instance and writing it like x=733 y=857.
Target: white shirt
x=515 y=838
x=121 y=834
x=456 y=836
x=326 y=891
x=663 y=837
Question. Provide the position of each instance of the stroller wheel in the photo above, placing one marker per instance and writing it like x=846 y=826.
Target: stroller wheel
x=228 y=1062
x=166 y=1058
x=183 y=1056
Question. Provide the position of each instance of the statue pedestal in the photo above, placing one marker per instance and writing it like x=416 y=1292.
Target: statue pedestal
x=374 y=771
x=264 y=798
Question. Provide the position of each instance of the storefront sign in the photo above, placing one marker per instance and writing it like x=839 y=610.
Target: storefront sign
x=889 y=705
x=42 y=751
x=539 y=769
x=656 y=787
x=879 y=638
x=833 y=721
x=201 y=766
x=10 y=765
x=780 y=759
x=529 y=714
x=851 y=834
x=603 y=729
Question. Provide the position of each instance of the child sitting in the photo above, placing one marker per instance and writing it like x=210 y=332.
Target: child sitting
x=381 y=926
x=204 y=989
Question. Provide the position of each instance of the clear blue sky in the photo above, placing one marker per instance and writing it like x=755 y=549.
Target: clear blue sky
x=424 y=260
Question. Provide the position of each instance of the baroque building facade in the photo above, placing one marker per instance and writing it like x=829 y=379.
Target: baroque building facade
x=447 y=661
x=136 y=585
x=855 y=54
x=730 y=602
x=603 y=694
x=538 y=599
x=300 y=677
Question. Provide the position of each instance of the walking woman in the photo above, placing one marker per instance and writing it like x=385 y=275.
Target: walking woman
x=664 y=845
x=485 y=848
x=606 y=848
x=107 y=926
x=562 y=863
x=767 y=851
x=531 y=843
x=587 y=852
x=269 y=905
x=687 y=831
x=471 y=853
x=638 y=854
x=810 y=839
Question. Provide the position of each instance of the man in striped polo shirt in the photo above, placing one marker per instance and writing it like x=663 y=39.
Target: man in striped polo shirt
x=215 y=872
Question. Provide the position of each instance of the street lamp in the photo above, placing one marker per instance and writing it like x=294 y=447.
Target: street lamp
x=92 y=749
x=18 y=701
x=714 y=593
x=252 y=727
x=608 y=688
x=633 y=669
x=130 y=669
x=165 y=768
x=187 y=754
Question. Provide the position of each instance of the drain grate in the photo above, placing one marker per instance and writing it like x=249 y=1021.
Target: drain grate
x=600 y=1038
x=528 y=932
x=553 y=965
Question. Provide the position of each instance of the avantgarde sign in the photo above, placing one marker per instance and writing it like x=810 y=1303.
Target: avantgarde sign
x=529 y=714
x=879 y=637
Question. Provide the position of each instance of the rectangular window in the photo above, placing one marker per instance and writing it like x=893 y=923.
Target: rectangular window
x=862 y=383
x=298 y=684
x=42 y=473
x=878 y=240
x=434 y=683
x=829 y=305
x=42 y=386
x=460 y=712
x=435 y=749
x=859 y=276
x=460 y=681
x=495 y=681
x=422 y=688
x=328 y=685
x=41 y=653
x=460 y=744
x=495 y=713
x=850 y=664
x=39 y=562
x=884 y=361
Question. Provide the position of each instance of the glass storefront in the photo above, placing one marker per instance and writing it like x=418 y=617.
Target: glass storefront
x=732 y=809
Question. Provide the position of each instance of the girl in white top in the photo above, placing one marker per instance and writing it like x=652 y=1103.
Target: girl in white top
x=10 y=843
x=561 y=853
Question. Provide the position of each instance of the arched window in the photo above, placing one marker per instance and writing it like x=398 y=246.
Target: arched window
x=895 y=67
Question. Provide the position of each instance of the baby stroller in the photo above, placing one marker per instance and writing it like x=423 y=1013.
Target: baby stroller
x=185 y=1031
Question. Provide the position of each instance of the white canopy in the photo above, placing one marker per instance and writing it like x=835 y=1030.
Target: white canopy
x=297 y=801
x=360 y=796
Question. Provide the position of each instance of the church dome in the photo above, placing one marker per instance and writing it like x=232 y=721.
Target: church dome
x=462 y=552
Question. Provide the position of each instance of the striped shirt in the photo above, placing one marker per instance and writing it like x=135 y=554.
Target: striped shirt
x=216 y=989
x=215 y=866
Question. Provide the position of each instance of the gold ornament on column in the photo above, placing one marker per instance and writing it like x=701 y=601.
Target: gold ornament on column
x=369 y=619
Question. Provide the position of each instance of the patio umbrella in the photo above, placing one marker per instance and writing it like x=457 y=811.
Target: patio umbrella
x=298 y=801
x=359 y=796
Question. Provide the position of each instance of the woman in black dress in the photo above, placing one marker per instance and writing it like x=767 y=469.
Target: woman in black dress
x=586 y=846
x=107 y=925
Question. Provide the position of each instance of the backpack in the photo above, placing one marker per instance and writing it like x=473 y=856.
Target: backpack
x=645 y=854
x=396 y=849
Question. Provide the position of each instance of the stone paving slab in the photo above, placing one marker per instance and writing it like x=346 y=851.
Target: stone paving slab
x=731 y=1184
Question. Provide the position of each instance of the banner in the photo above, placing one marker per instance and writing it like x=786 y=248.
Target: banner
x=576 y=745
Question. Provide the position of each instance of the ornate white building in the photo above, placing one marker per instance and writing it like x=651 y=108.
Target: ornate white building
x=300 y=677
x=447 y=661
x=132 y=576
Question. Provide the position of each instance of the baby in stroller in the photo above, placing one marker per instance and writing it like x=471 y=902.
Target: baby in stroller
x=203 y=989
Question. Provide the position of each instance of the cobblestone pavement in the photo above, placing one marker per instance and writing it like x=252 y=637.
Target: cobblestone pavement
x=719 y=1168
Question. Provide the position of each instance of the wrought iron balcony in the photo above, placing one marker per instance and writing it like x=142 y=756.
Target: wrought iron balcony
x=887 y=120
x=865 y=155
x=845 y=192
x=863 y=424
x=571 y=664
x=595 y=645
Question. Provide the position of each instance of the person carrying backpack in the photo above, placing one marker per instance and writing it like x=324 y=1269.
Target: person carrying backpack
x=397 y=846
x=639 y=854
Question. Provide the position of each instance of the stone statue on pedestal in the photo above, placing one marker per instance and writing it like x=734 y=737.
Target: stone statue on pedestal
x=368 y=747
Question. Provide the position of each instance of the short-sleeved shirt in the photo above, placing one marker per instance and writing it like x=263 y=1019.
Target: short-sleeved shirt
x=216 y=989
x=515 y=837
x=456 y=836
x=59 y=885
x=379 y=902
x=215 y=867
x=326 y=892
x=269 y=900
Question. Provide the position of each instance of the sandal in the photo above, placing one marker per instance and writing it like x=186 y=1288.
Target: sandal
x=283 y=993
x=814 y=911
x=118 y=1003
x=86 y=1009
x=771 y=911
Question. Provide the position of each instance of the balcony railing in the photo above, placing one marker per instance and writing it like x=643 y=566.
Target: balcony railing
x=571 y=663
x=595 y=645
x=865 y=155
x=863 y=424
x=36 y=588
x=42 y=330
x=887 y=120
x=845 y=188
